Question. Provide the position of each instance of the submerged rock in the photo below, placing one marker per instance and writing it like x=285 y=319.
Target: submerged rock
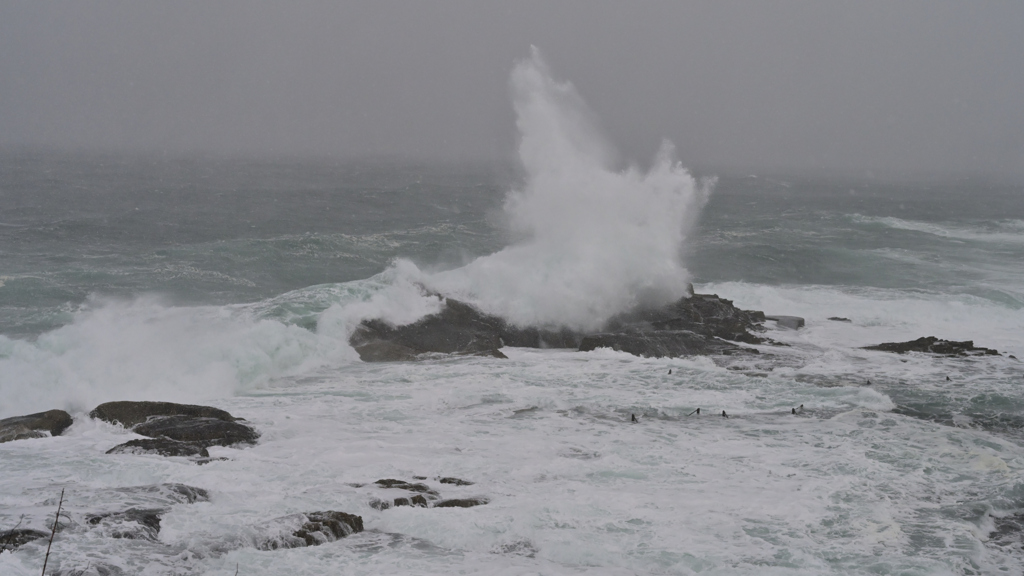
x=839 y=319
x=933 y=345
x=132 y=524
x=177 y=429
x=316 y=528
x=90 y=569
x=454 y=481
x=34 y=425
x=18 y=537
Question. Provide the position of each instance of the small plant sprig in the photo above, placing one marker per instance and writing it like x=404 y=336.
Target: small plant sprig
x=56 y=520
x=10 y=535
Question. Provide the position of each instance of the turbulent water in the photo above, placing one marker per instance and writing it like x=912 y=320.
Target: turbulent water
x=236 y=283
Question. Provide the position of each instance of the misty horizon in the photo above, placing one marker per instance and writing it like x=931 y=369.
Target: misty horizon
x=918 y=91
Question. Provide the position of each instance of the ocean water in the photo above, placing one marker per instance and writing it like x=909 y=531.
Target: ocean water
x=236 y=283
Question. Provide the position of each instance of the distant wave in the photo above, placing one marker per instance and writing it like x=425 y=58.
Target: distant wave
x=1003 y=231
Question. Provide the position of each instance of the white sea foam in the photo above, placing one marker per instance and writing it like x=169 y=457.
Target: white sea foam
x=145 y=350
x=1002 y=232
x=595 y=240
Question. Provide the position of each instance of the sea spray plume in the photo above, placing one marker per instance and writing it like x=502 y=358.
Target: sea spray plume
x=596 y=241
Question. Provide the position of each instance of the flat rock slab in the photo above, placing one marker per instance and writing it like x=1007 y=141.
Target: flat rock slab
x=661 y=344
x=34 y=425
x=791 y=322
x=933 y=345
x=129 y=413
x=315 y=528
x=162 y=447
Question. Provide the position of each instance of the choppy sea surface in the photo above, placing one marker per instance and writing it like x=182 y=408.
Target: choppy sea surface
x=236 y=283
x=222 y=282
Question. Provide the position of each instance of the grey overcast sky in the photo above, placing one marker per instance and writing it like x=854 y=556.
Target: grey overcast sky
x=904 y=88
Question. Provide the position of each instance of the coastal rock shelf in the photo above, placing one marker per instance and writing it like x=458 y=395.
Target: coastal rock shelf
x=933 y=345
x=699 y=324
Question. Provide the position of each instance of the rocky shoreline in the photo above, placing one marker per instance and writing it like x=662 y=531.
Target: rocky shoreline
x=700 y=324
x=697 y=324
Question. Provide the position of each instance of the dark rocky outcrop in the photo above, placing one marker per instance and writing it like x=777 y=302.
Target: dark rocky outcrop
x=704 y=314
x=18 y=537
x=199 y=431
x=661 y=343
x=176 y=429
x=933 y=345
x=459 y=328
x=317 y=528
x=34 y=425
x=454 y=481
x=129 y=413
x=160 y=446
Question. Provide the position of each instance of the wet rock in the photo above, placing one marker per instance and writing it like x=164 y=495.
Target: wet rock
x=199 y=426
x=199 y=431
x=461 y=503
x=378 y=504
x=402 y=484
x=454 y=481
x=933 y=345
x=34 y=425
x=18 y=537
x=160 y=446
x=704 y=314
x=132 y=524
x=129 y=414
x=457 y=329
x=839 y=319
x=417 y=500
x=661 y=344
x=316 y=528
x=790 y=322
